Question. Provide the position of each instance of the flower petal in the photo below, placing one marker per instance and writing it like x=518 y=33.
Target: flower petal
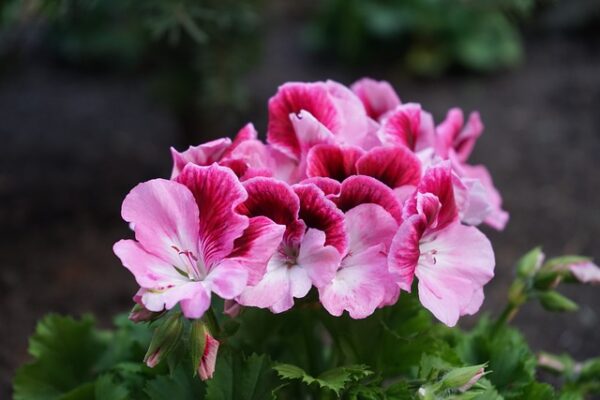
x=318 y=212
x=369 y=225
x=165 y=217
x=586 y=272
x=204 y=154
x=274 y=286
x=218 y=193
x=362 y=189
x=358 y=286
x=319 y=260
x=395 y=166
x=291 y=98
x=437 y=181
x=327 y=185
x=409 y=126
x=256 y=246
x=454 y=265
x=150 y=271
x=378 y=97
x=227 y=279
x=404 y=251
x=332 y=161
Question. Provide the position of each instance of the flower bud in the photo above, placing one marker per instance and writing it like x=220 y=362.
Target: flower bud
x=204 y=349
x=530 y=263
x=165 y=339
x=554 y=301
x=139 y=313
x=463 y=378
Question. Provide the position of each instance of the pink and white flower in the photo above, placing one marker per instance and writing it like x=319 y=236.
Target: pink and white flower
x=378 y=97
x=451 y=261
x=309 y=252
x=185 y=231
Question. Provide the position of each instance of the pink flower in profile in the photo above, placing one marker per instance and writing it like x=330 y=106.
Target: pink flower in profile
x=331 y=104
x=245 y=155
x=451 y=261
x=186 y=231
x=208 y=361
x=378 y=97
x=309 y=252
x=361 y=283
x=454 y=136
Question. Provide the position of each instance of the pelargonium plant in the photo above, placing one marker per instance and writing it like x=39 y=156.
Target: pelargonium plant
x=315 y=266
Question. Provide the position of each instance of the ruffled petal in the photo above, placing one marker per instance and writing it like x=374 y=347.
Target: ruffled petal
x=408 y=126
x=327 y=185
x=378 y=97
x=218 y=193
x=438 y=181
x=150 y=271
x=318 y=212
x=227 y=279
x=291 y=98
x=395 y=166
x=497 y=218
x=319 y=260
x=404 y=251
x=204 y=154
x=381 y=227
x=359 y=285
x=362 y=189
x=165 y=216
x=454 y=265
x=256 y=246
x=332 y=161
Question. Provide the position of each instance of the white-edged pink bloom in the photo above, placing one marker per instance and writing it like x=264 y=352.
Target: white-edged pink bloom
x=185 y=232
x=333 y=105
x=451 y=261
x=309 y=252
x=378 y=97
x=362 y=281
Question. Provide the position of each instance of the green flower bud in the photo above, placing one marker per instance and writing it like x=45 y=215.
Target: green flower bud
x=530 y=263
x=165 y=339
x=463 y=378
x=554 y=301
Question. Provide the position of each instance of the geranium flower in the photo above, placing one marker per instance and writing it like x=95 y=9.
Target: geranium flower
x=310 y=249
x=451 y=261
x=408 y=125
x=186 y=231
x=333 y=105
x=361 y=283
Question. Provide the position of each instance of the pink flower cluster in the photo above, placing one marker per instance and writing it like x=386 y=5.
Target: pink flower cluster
x=354 y=193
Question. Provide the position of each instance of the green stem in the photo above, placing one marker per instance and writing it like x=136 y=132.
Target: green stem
x=507 y=315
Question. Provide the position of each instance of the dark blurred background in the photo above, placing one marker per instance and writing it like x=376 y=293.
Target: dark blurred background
x=93 y=93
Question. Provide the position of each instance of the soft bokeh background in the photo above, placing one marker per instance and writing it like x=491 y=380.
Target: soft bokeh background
x=79 y=129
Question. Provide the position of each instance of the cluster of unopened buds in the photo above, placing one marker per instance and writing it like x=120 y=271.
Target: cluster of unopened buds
x=355 y=193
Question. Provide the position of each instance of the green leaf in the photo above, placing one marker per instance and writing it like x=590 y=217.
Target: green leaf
x=335 y=379
x=66 y=355
x=511 y=362
x=107 y=388
x=539 y=391
x=180 y=385
x=240 y=378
